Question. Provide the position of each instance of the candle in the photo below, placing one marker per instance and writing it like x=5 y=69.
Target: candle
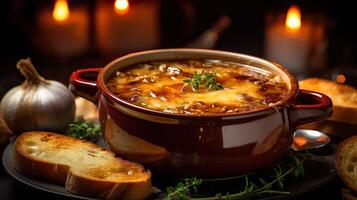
x=62 y=32
x=288 y=44
x=122 y=27
x=121 y=7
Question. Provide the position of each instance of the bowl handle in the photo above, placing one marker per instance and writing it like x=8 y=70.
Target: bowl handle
x=83 y=83
x=310 y=107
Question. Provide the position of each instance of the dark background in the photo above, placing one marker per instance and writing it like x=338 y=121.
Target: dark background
x=181 y=21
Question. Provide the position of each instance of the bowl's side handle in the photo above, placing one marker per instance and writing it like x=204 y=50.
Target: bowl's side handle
x=83 y=83
x=310 y=107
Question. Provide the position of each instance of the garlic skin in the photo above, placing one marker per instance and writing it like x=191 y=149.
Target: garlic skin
x=37 y=104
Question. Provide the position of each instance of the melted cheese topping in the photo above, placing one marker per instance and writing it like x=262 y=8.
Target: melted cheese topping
x=160 y=86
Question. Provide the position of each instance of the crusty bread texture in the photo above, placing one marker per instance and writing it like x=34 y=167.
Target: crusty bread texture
x=344 y=98
x=346 y=162
x=82 y=167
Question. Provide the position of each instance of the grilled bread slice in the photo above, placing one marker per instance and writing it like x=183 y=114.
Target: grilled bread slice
x=346 y=162
x=344 y=98
x=82 y=167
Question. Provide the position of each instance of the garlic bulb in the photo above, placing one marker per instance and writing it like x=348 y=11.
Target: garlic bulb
x=37 y=104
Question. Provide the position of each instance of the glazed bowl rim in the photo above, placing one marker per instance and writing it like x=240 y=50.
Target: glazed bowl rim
x=293 y=91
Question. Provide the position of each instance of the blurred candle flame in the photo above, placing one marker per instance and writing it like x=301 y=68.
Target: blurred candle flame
x=61 y=11
x=293 y=18
x=340 y=78
x=121 y=7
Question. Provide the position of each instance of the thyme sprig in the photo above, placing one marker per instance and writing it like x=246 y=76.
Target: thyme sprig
x=206 y=79
x=251 y=188
x=183 y=190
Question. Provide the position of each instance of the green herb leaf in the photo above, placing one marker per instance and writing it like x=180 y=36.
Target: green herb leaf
x=205 y=79
x=83 y=129
x=264 y=187
x=182 y=190
x=299 y=169
x=278 y=176
x=187 y=81
x=219 y=87
x=262 y=181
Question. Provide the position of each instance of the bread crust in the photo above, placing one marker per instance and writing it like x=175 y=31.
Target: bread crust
x=346 y=162
x=344 y=98
x=135 y=188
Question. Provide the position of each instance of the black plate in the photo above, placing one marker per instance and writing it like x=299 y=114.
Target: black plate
x=320 y=170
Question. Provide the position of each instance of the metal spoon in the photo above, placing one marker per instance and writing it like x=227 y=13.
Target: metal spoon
x=305 y=139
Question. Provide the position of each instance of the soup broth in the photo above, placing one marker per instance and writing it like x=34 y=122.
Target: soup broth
x=197 y=87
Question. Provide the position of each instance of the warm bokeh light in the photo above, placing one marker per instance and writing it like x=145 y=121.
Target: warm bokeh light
x=293 y=18
x=341 y=78
x=61 y=11
x=121 y=6
x=300 y=141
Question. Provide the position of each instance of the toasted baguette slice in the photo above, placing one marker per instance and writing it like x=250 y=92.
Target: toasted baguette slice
x=344 y=98
x=346 y=162
x=82 y=167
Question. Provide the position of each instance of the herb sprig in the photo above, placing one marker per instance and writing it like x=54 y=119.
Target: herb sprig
x=83 y=129
x=251 y=188
x=204 y=78
x=182 y=190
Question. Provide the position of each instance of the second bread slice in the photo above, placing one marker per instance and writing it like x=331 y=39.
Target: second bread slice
x=346 y=162
x=83 y=167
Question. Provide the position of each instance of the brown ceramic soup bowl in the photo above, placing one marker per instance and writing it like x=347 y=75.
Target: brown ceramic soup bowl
x=207 y=146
